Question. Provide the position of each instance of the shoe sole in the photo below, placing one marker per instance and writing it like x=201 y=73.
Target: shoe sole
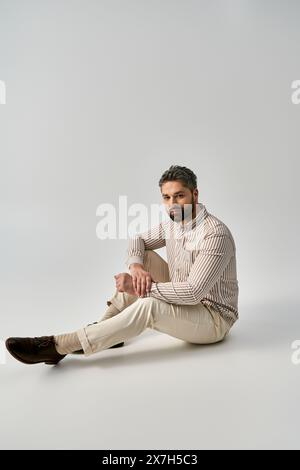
x=81 y=352
x=118 y=345
x=22 y=360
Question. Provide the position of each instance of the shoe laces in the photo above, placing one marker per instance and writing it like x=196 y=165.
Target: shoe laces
x=43 y=341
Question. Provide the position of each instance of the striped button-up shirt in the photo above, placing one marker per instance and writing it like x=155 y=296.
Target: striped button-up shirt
x=201 y=256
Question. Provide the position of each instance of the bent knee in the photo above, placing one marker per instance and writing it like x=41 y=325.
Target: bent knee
x=150 y=254
x=145 y=300
x=145 y=309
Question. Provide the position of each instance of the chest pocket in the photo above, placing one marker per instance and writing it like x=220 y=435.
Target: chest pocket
x=191 y=250
x=187 y=255
x=186 y=261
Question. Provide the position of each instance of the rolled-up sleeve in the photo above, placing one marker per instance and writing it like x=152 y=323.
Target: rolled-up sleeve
x=152 y=239
x=214 y=255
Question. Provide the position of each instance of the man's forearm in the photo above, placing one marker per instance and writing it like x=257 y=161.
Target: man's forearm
x=152 y=239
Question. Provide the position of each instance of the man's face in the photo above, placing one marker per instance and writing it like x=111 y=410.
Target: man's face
x=175 y=196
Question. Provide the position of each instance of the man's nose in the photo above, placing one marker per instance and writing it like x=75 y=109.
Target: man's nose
x=174 y=203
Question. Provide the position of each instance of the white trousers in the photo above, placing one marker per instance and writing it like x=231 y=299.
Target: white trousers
x=192 y=323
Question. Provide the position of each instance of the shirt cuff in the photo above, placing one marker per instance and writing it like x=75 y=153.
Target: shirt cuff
x=134 y=259
x=154 y=291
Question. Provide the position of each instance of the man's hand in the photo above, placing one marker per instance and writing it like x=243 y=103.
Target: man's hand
x=124 y=283
x=138 y=283
x=141 y=279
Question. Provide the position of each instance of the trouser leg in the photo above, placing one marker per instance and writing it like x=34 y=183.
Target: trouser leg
x=156 y=266
x=191 y=323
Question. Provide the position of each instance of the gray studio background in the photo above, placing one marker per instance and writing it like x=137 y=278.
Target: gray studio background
x=101 y=98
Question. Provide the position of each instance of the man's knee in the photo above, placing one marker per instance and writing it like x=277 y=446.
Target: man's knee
x=149 y=259
x=145 y=307
x=148 y=301
x=149 y=254
x=156 y=265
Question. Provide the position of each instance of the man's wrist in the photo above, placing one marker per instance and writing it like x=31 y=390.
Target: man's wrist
x=136 y=265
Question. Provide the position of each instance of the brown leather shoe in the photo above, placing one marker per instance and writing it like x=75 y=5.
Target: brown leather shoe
x=34 y=350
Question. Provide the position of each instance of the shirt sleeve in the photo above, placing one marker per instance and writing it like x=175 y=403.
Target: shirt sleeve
x=152 y=239
x=214 y=254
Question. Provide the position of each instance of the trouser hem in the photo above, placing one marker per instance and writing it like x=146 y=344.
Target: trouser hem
x=86 y=346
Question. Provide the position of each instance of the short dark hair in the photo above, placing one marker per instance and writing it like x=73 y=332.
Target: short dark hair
x=179 y=173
